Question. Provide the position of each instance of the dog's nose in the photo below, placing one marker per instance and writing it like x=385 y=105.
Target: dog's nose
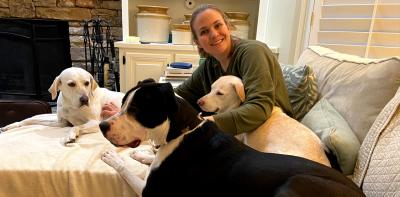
x=200 y=102
x=84 y=100
x=104 y=127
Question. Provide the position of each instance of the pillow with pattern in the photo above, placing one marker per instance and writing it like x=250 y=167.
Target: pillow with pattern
x=302 y=88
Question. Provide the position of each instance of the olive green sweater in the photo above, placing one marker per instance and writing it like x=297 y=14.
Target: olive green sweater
x=254 y=63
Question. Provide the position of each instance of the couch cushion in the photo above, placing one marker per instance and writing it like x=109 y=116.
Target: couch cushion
x=302 y=88
x=335 y=133
x=377 y=169
x=357 y=87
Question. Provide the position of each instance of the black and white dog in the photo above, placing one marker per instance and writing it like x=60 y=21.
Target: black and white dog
x=195 y=158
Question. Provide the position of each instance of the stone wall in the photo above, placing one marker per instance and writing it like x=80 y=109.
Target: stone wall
x=74 y=11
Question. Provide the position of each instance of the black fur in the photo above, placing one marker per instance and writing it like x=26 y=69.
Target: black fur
x=154 y=102
x=211 y=163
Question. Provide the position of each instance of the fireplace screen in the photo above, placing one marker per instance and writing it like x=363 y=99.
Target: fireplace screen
x=34 y=52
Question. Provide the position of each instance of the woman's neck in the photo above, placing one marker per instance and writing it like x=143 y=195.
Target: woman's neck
x=225 y=59
x=224 y=63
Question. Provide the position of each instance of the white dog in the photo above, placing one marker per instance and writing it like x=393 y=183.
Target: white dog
x=79 y=103
x=279 y=134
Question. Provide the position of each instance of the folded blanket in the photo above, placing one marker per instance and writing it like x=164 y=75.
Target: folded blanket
x=35 y=163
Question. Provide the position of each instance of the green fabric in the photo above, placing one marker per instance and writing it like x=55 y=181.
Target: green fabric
x=335 y=133
x=254 y=63
x=302 y=87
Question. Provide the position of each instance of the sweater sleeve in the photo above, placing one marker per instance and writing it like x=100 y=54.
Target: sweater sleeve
x=255 y=65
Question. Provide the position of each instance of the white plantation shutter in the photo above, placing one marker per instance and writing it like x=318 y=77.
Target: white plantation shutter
x=367 y=28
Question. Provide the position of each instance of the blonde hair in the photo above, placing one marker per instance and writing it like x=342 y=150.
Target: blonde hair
x=199 y=10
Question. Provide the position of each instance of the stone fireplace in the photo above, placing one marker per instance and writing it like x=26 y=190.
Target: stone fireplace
x=37 y=13
x=73 y=11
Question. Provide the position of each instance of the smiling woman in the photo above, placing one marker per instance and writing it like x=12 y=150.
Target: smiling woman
x=250 y=60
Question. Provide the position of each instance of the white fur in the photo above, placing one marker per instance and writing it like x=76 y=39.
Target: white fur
x=221 y=98
x=279 y=134
x=74 y=83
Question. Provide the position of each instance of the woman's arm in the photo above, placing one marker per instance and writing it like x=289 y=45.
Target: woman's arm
x=255 y=65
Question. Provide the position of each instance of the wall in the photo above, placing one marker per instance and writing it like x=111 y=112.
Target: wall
x=284 y=27
x=74 y=11
x=177 y=9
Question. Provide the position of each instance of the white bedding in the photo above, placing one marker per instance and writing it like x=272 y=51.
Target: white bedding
x=35 y=163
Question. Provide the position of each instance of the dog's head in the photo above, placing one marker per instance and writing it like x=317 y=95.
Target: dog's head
x=144 y=115
x=76 y=84
x=227 y=92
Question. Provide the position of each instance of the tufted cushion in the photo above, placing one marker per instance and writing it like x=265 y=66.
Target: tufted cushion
x=335 y=133
x=377 y=169
x=302 y=88
x=358 y=88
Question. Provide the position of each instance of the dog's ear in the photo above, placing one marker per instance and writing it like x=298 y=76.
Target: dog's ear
x=154 y=103
x=54 y=88
x=239 y=88
x=169 y=97
x=145 y=81
x=93 y=83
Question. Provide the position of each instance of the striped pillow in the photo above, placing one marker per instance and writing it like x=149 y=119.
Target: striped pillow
x=302 y=88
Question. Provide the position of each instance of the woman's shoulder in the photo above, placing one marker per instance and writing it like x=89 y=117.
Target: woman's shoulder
x=250 y=45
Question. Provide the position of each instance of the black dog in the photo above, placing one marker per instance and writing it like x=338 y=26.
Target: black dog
x=206 y=161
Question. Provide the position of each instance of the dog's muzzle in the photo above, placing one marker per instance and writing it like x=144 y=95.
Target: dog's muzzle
x=105 y=127
x=84 y=100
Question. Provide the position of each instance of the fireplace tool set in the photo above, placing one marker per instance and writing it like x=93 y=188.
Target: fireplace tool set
x=99 y=49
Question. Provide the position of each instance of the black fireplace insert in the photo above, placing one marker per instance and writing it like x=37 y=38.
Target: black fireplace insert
x=33 y=52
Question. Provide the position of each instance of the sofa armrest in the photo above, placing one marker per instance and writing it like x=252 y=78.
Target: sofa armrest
x=17 y=110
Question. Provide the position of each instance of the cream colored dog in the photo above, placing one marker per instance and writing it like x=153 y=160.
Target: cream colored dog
x=279 y=134
x=79 y=103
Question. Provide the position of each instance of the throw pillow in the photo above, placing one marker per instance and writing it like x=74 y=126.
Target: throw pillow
x=335 y=133
x=302 y=88
x=357 y=87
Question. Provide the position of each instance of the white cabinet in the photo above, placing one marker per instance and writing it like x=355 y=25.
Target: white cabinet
x=141 y=61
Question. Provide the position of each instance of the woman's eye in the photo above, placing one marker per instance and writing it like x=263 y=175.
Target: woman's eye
x=203 y=32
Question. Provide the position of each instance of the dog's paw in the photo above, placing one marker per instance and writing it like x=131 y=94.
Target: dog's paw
x=10 y=126
x=143 y=156
x=112 y=158
x=70 y=137
x=66 y=141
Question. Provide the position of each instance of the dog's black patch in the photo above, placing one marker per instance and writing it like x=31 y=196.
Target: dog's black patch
x=154 y=102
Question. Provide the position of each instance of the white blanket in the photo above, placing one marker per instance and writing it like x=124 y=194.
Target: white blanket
x=35 y=163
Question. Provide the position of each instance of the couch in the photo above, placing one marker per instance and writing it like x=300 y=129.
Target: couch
x=356 y=114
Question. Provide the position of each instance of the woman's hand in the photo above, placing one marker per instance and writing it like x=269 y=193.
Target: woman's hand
x=108 y=110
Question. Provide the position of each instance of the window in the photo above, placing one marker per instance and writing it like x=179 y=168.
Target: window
x=367 y=28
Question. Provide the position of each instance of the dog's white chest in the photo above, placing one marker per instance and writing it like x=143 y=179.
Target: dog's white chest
x=79 y=116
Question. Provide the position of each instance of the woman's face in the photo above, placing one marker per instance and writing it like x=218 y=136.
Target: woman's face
x=213 y=34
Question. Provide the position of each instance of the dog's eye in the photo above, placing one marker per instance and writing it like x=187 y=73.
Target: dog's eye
x=220 y=93
x=71 y=84
x=87 y=83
